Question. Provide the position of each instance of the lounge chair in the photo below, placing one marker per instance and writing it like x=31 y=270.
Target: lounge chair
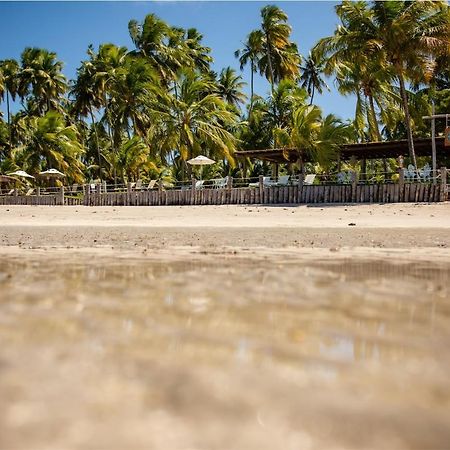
x=410 y=173
x=138 y=185
x=425 y=173
x=283 y=180
x=221 y=183
x=309 y=179
x=152 y=184
x=11 y=192
x=199 y=184
x=30 y=191
x=344 y=177
x=267 y=182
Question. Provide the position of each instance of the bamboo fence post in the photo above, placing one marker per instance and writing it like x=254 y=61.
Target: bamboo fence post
x=61 y=196
x=193 y=181
x=401 y=183
x=443 y=184
x=354 y=186
x=261 y=188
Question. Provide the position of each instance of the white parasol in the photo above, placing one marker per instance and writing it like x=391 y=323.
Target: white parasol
x=52 y=173
x=21 y=173
x=201 y=160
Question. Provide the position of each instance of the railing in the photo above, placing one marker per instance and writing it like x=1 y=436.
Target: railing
x=314 y=188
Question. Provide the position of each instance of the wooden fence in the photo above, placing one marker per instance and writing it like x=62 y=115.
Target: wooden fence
x=33 y=200
x=375 y=193
x=355 y=192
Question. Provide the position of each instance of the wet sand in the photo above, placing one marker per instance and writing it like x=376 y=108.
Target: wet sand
x=277 y=329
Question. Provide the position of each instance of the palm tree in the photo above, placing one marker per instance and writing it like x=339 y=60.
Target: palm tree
x=408 y=34
x=193 y=122
x=9 y=68
x=281 y=58
x=132 y=158
x=400 y=36
x=318 y=137
x=311 y=77
x=49 y=143
x=41 y=76
x=251 y=53
x=87 y=98
x=229 y=87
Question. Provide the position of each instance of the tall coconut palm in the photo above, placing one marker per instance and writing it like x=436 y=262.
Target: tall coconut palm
x=280 y=59
x=193 y=122
x=41 y=76
x=251 y=53
x=9 y=68
x=311 y=77
x=408 y=34
x=229 y=87
x=401 y=36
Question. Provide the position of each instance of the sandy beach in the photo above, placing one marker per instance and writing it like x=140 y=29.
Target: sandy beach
x=219 y=228
x=218 y=328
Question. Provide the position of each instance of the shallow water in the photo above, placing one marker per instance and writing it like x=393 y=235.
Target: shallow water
x=229 y=354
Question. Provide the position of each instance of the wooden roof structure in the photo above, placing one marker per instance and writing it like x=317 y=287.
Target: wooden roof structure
x=6 y=179
x=365 y=150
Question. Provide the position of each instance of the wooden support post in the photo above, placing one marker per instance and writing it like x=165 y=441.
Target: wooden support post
x=105 y=188
x=86 y=189
x=61 y=196
x=401 y=184
x=354 y=186
x=230 y=182
x=194 y=181
x=38 y=191
x=160 y=186
x=261 y=189
x=274 y=171
x=443 y=184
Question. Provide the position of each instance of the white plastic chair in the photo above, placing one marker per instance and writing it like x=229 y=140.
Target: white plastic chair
x=309 y=179
x=425 y=173
x=410 y=173
x=220 y=183
x=283 y=180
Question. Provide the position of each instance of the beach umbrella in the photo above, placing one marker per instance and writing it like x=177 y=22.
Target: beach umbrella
x=200 y=160
x=21 y=173
x=52 y=173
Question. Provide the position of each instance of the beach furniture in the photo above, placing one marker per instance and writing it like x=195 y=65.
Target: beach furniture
x=151 y=185
x=283 y=180
x=138 y=185
x=309 y=179
x=30 y=191
x=425 y=173
x=344 y=177
x=221 y=183
x=199 y=184
x=410 y=173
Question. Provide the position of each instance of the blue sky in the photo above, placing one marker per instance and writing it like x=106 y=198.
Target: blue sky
x=67 y=28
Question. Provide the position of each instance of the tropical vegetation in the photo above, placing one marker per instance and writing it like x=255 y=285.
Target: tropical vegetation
x=142 y=112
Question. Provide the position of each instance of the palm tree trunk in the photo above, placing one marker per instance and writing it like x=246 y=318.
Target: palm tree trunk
x=374 y=118
x=97 y=144
x=312 y=95
x=269 y=61
x=412 y=153
x=251 y=86
x=9 y=119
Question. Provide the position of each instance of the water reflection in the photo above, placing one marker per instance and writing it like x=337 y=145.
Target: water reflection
x=335 y=328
